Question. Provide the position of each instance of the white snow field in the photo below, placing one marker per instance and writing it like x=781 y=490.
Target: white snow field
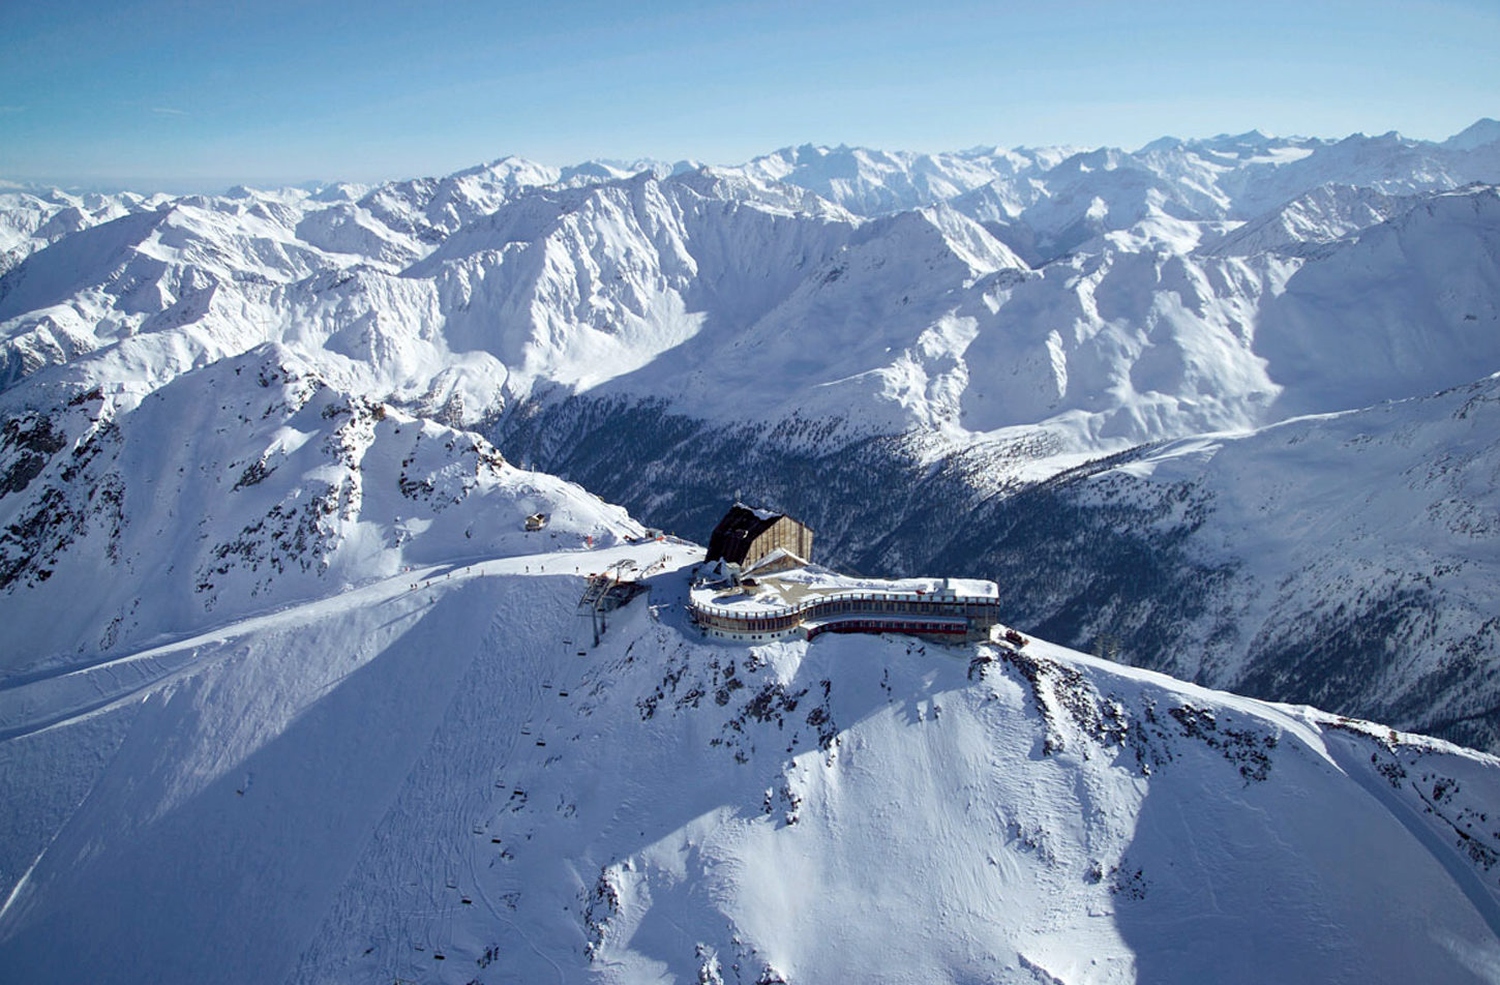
x=447 y=783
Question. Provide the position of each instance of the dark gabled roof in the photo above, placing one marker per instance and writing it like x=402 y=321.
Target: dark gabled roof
x=739 y=528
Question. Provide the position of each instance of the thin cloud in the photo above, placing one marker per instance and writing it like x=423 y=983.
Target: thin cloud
x=168 y=111
x=8 y=110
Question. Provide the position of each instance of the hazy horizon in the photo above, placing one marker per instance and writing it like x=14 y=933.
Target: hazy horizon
x=150 y=94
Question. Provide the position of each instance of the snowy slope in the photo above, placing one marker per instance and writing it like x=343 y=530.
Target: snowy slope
x=446 y=784
x=873 y=182
x=1306 y=224
x=33 y=218
x=1346 y=559
x=926 y=325
x=236 y=488
x=1411 y=307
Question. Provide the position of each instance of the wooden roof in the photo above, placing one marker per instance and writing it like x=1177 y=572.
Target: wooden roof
x=737 y=531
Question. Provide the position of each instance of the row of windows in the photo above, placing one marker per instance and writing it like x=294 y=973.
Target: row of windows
x=867 y=605
x=783 y=624
x=890 y=626
x=943 y=608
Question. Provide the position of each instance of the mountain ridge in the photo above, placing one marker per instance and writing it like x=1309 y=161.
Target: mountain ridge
x=448 y=835
x=673 y=334
x=300 y=499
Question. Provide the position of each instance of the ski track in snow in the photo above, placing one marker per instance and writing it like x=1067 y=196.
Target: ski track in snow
x=602 y=805
x=23 y=698
x=1479 y=895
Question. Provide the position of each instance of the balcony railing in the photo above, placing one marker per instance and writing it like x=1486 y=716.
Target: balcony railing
x=851 y=606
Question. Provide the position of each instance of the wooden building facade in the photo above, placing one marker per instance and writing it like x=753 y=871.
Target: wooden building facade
x=746 y=535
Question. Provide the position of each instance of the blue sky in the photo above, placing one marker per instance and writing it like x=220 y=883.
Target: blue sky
x=176 y=94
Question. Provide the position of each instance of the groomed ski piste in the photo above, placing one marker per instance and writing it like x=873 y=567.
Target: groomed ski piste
x=438 y=778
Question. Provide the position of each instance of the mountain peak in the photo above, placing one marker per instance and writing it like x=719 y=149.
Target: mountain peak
x=1481 y=133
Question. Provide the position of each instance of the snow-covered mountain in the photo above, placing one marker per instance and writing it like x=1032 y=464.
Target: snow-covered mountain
x=31 y=219
x=1345 y=559
x=675 y=333
x=1055 y=199
x=434 y=777
x=871 y=182
x=242 y=486
x=291 y=692
x=579 y=284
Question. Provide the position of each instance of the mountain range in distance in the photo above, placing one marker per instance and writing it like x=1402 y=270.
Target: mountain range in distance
x=290 y=692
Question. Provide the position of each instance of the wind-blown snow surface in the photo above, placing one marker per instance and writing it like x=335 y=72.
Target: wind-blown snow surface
x=443 y=783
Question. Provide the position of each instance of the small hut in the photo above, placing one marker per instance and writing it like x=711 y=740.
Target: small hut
x=747 y=534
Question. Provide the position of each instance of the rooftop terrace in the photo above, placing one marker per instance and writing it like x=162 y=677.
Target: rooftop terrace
x=810 y=600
